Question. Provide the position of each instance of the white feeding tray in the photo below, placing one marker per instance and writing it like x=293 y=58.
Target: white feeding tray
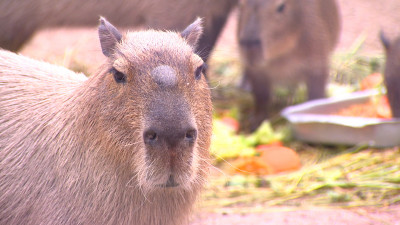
x=313 y=122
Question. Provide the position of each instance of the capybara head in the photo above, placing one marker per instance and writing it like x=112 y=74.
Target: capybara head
x=156 y=105
x=268 y=28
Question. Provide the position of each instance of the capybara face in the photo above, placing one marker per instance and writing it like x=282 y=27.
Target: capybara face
x=163 y=107
x=267 y=29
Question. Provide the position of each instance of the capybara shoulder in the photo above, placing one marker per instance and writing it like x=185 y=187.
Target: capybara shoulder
x=128 y=145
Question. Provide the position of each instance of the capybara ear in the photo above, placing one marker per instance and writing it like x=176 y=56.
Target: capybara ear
x=385 y=41
x=193 y=32
x=109 y=37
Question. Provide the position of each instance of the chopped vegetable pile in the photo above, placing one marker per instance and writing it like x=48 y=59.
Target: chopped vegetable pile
x=375 y=108
x=356 y=178
x=253 y=171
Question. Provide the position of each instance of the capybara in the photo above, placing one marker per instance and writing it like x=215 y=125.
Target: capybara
x=285 y=42
x=20 y=19
x=392 y=72
x=128 y=145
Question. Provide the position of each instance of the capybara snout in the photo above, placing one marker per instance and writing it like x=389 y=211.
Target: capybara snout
x=170 y=137
x=251 y=50
x=170 y=132
x=250 y=43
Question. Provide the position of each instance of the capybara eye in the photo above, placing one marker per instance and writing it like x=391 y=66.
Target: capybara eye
x=118 y=76
x=201 y=69
x=281 y=8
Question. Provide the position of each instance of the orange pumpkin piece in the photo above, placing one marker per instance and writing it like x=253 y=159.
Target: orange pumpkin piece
x=371 y=109
x=383 y=108
x=272 y=159
x=231 y=123
x=251 y=165
x=273 y=143
x=279 y=158
x=371 y=81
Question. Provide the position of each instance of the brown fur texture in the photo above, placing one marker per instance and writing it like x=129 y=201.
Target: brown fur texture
x=73 y=149
x=22 y=18
x=392 y=72
x=286 y=41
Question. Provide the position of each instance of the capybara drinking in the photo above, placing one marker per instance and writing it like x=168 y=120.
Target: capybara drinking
x=128 y=145
x=20 y=19
x=392 y=72
x=284 y=42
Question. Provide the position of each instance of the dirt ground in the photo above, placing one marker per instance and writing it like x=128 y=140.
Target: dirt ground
x=311 y=216
x=79 y=48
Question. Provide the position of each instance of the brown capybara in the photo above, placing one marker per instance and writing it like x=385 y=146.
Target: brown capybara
x=392 y=72
x=128 y=145
x=284 y=42
x=20 y=19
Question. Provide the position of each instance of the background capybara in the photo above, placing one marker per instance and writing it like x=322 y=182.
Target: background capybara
x=20 y=19
x=392 y=72
x=128 y=145
x=286 y=42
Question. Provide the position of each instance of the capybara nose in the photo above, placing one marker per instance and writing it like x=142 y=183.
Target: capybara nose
x=172 y=137
x=250 y=43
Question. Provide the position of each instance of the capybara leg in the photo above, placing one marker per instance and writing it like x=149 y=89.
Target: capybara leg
x=316 y=83
x=393 y=93
x=261 y=89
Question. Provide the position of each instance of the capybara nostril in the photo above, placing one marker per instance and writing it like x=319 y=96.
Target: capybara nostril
x=169 y=136
x=191 y=135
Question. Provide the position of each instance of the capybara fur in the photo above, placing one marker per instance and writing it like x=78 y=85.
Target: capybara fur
x=128 y=145
x=392 y=72
x=285 y=42
x=20 y=19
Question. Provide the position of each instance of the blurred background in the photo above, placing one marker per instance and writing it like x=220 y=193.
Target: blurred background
x=268 y=176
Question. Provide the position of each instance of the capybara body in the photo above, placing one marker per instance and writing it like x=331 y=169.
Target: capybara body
x=285 y=42
x=392 y=72
x=20 y=19
x=128 y=145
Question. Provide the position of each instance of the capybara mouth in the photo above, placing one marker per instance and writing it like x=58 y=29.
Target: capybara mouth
x=171 y=182
x=169 y=172
x=252 y=49
x=254 y=57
